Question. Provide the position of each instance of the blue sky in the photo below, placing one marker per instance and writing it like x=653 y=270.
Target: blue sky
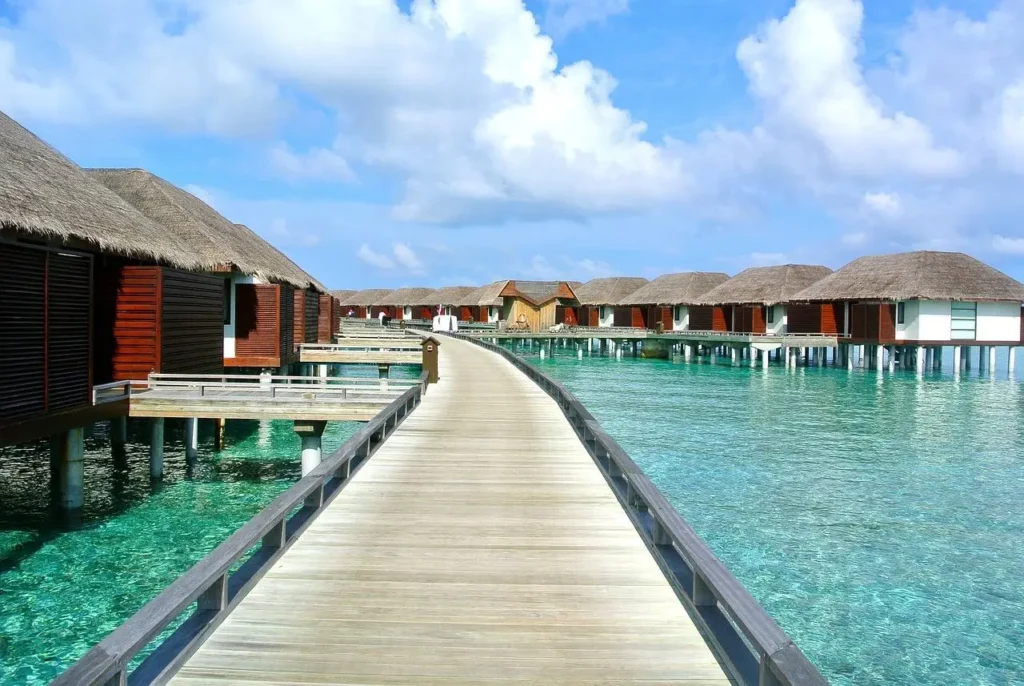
x=443 y=142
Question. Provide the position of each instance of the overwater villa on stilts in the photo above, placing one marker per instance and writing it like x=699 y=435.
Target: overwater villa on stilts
x=361 y=304
x=905 y=308
x=678 y=293
x=538 y=305
x=599 y=302
x=401 y=304
x=483 y=305
x=448 y=300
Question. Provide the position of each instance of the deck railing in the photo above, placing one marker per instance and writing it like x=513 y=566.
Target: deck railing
x=213 y=585
x=747 y=640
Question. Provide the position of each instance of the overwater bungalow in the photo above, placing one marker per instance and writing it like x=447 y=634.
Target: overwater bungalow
x=483 y=304
x=256 y=282
x=671 y=297
x=449 y=299
x=361 y=303
x=924 y=298
x=400 y=304
x=330 y=321
x=61 y=234
x=759 y=300
x=536 y=305
x=600 y=298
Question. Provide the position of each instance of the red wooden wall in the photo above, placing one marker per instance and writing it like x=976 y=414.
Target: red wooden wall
x=191 y=329
x=329 y=318
x=873 y=323
x=749 y=319
x=45 y=322
x=721 y=317
x=815 y=318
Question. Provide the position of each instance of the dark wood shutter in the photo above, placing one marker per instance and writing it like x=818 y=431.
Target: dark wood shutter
x=311 y=318
x=192 y=323
x=257 y=329
x=22 y=332
x=68 y=323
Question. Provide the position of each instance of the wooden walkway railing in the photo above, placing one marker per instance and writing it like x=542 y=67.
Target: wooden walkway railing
x=219 y=581
x=752 y=645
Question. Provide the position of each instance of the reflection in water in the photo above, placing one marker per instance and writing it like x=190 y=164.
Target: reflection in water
x=878 y=519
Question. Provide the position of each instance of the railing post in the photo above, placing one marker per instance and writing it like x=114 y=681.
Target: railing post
x=765 y=675
x=658 y=534
x=216 y=596
x=276 y=537
x=702 y=595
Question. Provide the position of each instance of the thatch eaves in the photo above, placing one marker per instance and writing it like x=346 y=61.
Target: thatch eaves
x=448 y=295
x=609 y=290
x=539 y=292
x=343 y=295
x=484 y=296
x=683 y=288
x=45 y=194
x=403 y=297
x=764 y=285
x=285 y=269
x=923 y=275
x=365 y=297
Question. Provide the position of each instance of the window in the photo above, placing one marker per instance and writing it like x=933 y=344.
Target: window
x=769 y=315
x=603 y=312
x=228 y=289
x=901 y=313
x=964 y=321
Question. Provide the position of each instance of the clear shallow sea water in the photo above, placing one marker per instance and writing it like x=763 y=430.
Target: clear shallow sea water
x=880 y=521
x=65 y=584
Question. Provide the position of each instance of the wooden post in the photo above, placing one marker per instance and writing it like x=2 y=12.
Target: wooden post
x=67 y=459
x=218 y=434
x=156 y=448
x=119 y=430
x=430 y=358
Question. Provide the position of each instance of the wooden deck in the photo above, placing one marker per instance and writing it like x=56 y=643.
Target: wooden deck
x=480 y=544
x=371 y=351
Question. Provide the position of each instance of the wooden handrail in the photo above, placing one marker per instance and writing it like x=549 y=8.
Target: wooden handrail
x=749 y=642
x=212 y=585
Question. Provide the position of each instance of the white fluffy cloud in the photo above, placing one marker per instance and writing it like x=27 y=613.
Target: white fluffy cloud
x=464 y=99
x=402 y=258
x=465 y=103
x=805 y=70
x=407 y=257
x=374 y=259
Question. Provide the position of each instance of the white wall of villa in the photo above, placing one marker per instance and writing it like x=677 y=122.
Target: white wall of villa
x=777 y=315
x=493 y=314
x=229 y=328
x=680 y=318
x=605 y=315
x=932 y=320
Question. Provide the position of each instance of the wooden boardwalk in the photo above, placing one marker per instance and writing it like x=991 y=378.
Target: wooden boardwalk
x=479 y=544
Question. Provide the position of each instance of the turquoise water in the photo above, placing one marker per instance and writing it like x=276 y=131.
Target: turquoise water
x=67 y=583
x=880 y=521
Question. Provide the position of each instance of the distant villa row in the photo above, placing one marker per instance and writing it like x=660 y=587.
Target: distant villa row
x=916 y=298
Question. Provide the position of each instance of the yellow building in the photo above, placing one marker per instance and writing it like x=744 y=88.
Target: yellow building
x=538 y=305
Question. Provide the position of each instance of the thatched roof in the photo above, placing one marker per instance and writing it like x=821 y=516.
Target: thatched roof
x=278 y=263
x=46 y=194
x=764 y=285
x=216 y=242
x=343 y=294
x=449 y=295
x=924 y=275
x=540 y=292
x=608 y=291
x=365 y=297
x=675 y=289
x=485 y=296
x=403 y=297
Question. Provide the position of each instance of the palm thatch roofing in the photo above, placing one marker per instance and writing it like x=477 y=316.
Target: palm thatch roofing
x=608 y=291
x=217 y=242
x=683 y=288
x=764 y=285
x=343 y=295
x=449 y=295
x=924 y=275
x=485 y=296
x=365 y=297
x=45 y=194
x=540 y=292
x=403 y=297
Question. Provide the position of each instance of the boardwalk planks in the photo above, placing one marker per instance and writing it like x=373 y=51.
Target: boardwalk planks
x=480 y=544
